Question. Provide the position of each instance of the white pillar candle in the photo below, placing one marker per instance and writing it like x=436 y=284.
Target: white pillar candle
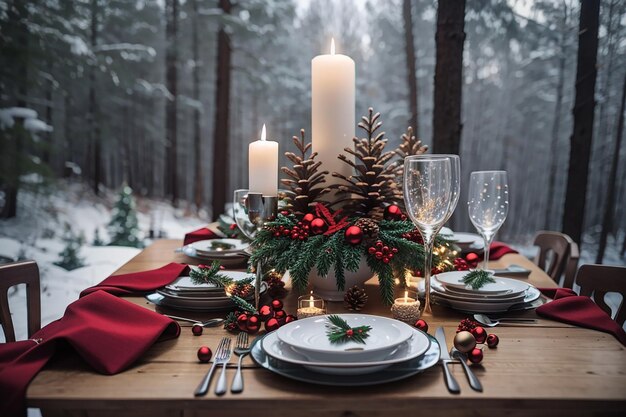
x=333 y=102
x=263 y=166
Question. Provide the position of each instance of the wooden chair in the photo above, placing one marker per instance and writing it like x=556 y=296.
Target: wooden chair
x=25 y=272
x=558 y=246
x=571 y=265
x=597 y=280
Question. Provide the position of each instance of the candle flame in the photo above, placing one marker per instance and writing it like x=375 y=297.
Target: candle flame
x=263 y=133
x=332 y=46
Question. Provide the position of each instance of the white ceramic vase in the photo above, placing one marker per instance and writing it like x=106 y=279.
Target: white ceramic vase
x=326 y=287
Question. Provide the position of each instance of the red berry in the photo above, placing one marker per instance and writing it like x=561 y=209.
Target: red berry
x=371 y=250
x=421 y=325
x=290 y=318
x=349 y=332
x=492 y=340
x=204 y=354
x=394 y=250
x=475 y=355
x=480 y=334
x=196 y=329
x=386 y=260
x=281 y=316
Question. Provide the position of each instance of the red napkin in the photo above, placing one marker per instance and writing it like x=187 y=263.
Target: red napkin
x=139 y=282
x=498 y=249
x=109 y=333
x=568 y=307
x=200 y=234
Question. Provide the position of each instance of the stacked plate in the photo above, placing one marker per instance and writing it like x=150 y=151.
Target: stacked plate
x=183 y=294
x=230 y=252
x=468 y=242
x=499 y=296
x=301 y=350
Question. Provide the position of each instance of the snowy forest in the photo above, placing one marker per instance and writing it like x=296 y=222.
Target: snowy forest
x=165 y=96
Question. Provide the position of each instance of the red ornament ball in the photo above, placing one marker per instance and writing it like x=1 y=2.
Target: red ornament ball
x=265 y=313
x=290 y=318
x=254 y=324
x=421 y=325
x=272 y=324
x=318 y=226
x=354 y=235
x=308 y=218
x=393 y=212
x=277 y=305
x=242 y=322
x=281 y=316
x=492 y=340
x=475 y=355
x=480 y=334
x=472 y=259
x=196 y=329
x=204 y=354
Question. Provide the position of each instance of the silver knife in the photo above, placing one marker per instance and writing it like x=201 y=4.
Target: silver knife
x=444 y=358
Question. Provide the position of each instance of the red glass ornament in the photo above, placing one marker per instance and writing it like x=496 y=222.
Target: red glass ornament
x=254 y=324
x=393 y=212
x=272 y=324
x=318 y=226
x=492 y=340
x=354 y=235
x=196 y=329
x=277 y=305
x=242 y=322
x=475 y=355
x=308 y=218
x=265 y=313
x=421 y=325
x=480 y=334
x=204 y=354
x=290 y=318
x=281 y=316
x=202 y=266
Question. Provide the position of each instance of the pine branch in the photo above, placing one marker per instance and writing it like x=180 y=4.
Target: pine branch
x=243 y=304
x=478 y=279
x=339 y=331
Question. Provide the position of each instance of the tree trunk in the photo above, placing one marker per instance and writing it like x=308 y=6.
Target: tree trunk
x=220 y=126
x=48 y=135
x=171 y=106
x=449 y=41
x=94 y=128
x=556 y=123
x=197 y=134
x=583 y=111
x=410 y=65
x=609 y=204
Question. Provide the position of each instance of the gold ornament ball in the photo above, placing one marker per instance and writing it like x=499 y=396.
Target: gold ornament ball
x=464 y=342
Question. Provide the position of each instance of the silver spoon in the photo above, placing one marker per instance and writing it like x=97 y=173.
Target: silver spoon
x=471 y=378
x=489 y=322
x=208 y=323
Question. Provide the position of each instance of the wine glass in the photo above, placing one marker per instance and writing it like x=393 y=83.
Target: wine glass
x=455 y=177
x=488 y=205
x=427 y=197
x=240 y=214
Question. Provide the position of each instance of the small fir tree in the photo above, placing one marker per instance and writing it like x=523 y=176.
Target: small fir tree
x=123 y=227
x=69 y=256
x=97 y=240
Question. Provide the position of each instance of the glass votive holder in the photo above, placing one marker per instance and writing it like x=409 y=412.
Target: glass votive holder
x=406 y=309
x=310 y=305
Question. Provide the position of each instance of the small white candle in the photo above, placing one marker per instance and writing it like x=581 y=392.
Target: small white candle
x=263 y=166
x=333 y=114
x=406 y=309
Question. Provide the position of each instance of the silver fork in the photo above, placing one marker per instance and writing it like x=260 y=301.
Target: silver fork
x=222 y=354
x=241 y=350
x=220 y=388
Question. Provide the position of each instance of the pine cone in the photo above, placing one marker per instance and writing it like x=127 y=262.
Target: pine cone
x=370 y=229
x=355 y=298
x=275 y=284
x=243 y=291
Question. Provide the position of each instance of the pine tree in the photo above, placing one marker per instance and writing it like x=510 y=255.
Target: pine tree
x=123 y=227
x=69 y=256
x=97 y=240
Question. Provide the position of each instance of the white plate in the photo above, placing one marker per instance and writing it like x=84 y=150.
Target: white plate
x=454 y=279
x=417 y=345
x=185 y=283
x=308 y=336
x=394 y=372
x=468 y=240
x=531 y=295
x=227 y=260
x=449 y=294
x=211 y=246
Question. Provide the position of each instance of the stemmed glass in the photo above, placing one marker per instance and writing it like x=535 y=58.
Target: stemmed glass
x=427 y=196
x=240 y=214
x=488 y=205
x=455 y=177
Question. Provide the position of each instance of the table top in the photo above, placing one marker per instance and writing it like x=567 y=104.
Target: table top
x=545 y=368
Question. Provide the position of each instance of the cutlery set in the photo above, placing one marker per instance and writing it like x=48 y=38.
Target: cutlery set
x=223 y=354
x=444 y=358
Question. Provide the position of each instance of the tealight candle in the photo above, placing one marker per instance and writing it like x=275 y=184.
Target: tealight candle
x=406 y=309
x=311 y=305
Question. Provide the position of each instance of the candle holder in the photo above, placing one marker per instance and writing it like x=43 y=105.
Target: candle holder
x=406 y=309
x=261 y=209
x=310 y=305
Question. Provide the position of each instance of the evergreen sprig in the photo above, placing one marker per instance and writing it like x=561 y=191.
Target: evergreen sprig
x=210 y=275
x=478 y=279
x=243 y=304
x=339 y=331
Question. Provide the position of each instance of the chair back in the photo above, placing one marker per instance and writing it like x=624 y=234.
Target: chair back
x=572 y=265
x=24 y=272
x=597 y=280
x=557 y=244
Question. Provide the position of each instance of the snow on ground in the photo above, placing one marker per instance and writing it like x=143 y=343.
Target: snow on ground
x=36 y=234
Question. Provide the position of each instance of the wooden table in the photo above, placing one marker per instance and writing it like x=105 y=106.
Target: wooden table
x=548 y=368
